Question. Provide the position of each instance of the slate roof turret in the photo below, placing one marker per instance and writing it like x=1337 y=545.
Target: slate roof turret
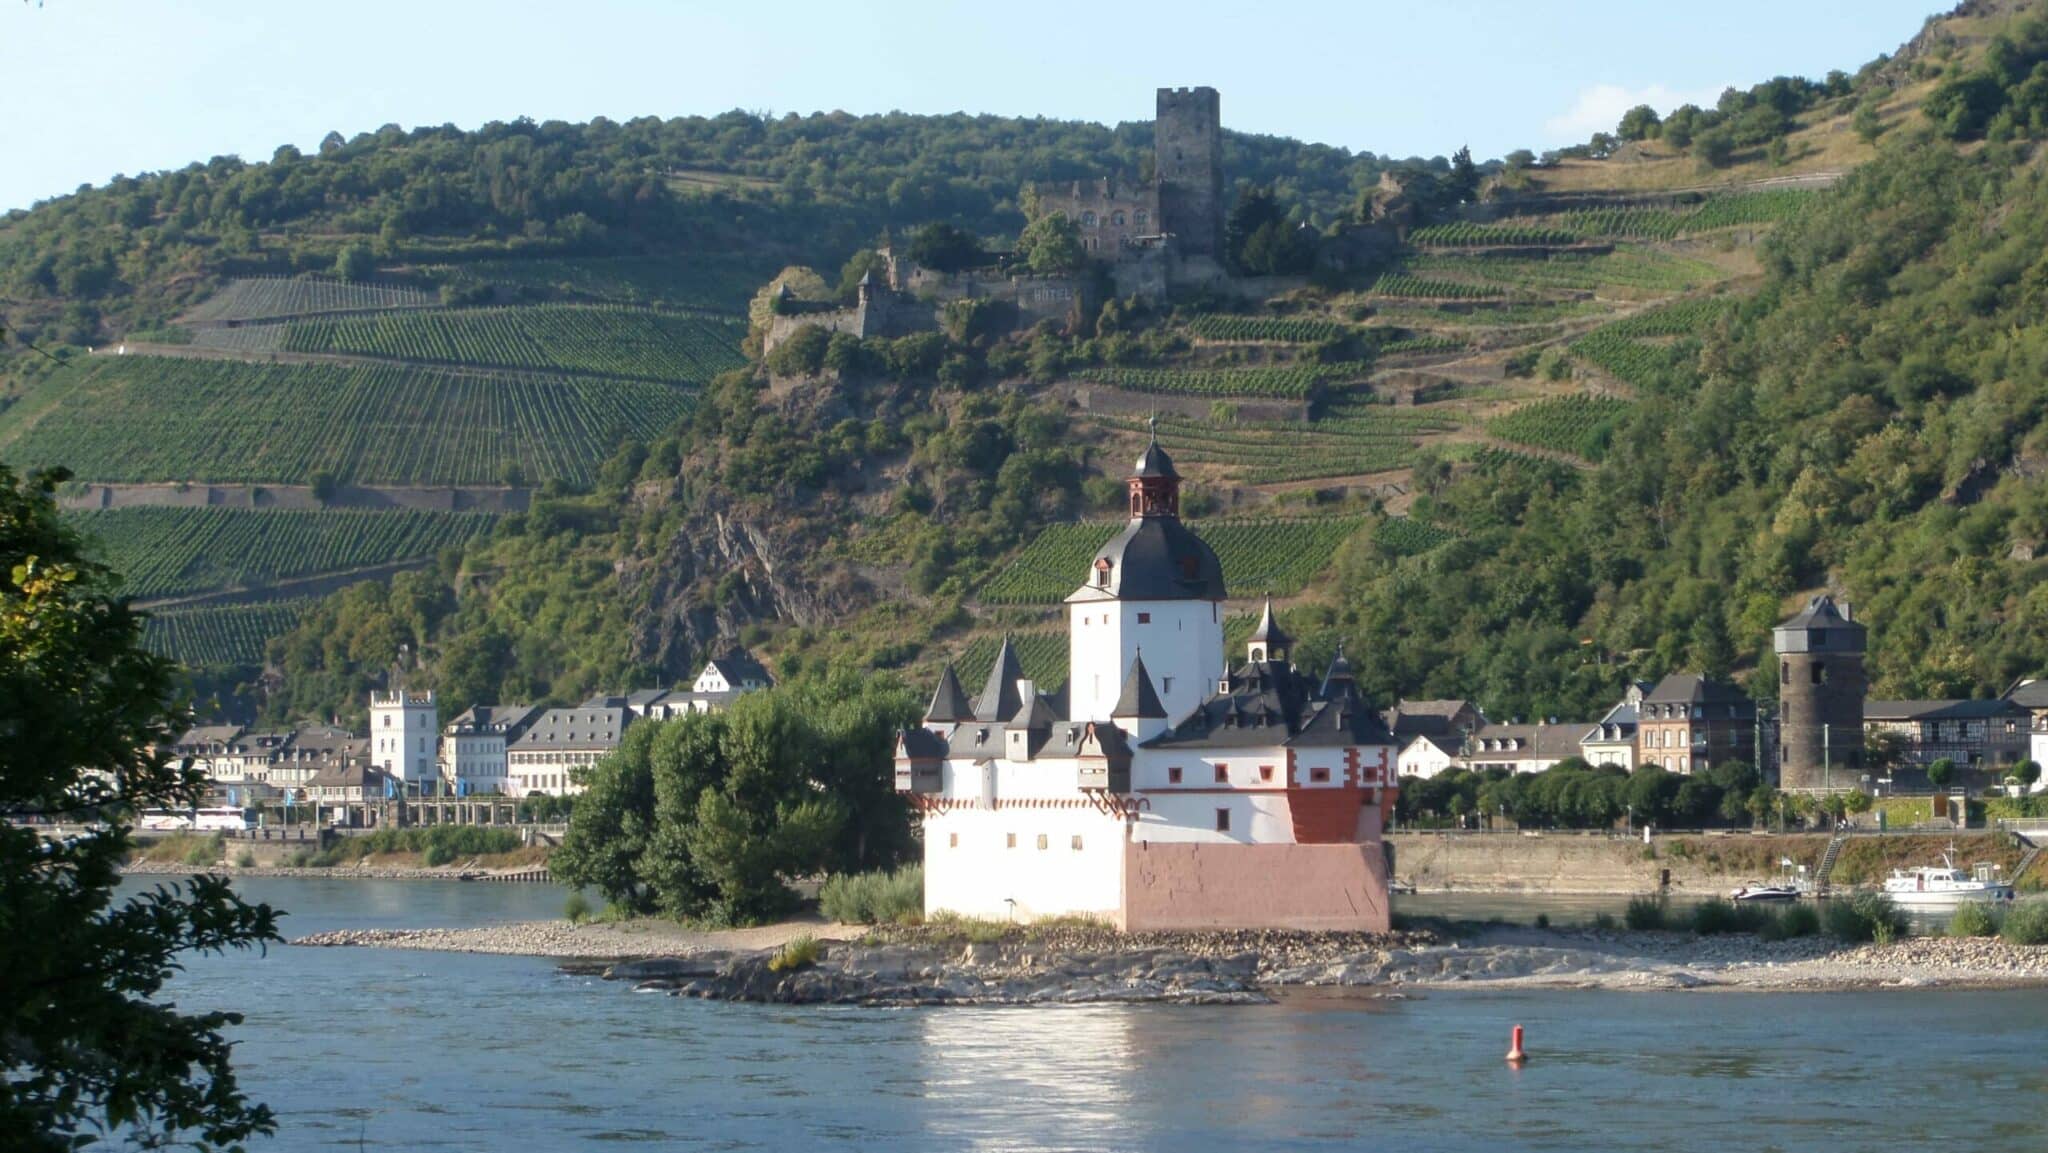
x=999 y=698
x=1138 y=700
x=949 y=703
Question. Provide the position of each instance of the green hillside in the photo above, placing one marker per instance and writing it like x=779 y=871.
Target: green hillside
x=615 y=342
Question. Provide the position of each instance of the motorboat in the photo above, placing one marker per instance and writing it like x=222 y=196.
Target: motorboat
x=1945 y=886
x=1759 y=891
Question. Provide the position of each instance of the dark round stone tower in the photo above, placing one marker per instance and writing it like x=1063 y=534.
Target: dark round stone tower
x=1821 y=688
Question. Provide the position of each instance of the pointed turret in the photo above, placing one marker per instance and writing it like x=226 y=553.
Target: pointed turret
x=1139 y=700
x=949 y=705
x=1339 y=679
x=999 y=697
x=1269 y=642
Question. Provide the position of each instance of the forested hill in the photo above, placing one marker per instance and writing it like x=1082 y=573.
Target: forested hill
x=1633 y=428
x=107 y=261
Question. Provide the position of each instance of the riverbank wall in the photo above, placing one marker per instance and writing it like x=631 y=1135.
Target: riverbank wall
x=1555 y=862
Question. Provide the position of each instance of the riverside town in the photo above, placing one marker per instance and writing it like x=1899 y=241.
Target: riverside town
x=1186 y=606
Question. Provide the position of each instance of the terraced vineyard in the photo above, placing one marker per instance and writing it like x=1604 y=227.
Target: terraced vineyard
x=1575 y=424
x=272 y=297
x=1258 y=556
x=1767 y=206
x=1295 y=380
x=1352 y=440
x=1042 y=656
x=1278 y=329
x=1425 y=288
x=1624 y=349
x=694 y=281
x=136 y=418
x=603 y=339
x=1643 y=271
x=241 y=338
x=220 y=636
x=1466 y=234
x=168 y=551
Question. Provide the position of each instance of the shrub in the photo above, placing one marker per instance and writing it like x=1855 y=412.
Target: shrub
x=1795 y=921
x=1543 y=920
x=1973 y=919
x=246 y=859
x=1865 y=917
x=1716 y=916
x=875 y=898
x=577 y=907
x=2026 y=924
x=1647 y=912
x=206 y=851
x=1604 y=922
x=800 y=953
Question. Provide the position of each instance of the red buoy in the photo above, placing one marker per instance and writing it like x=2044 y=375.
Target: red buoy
x=1515 y=1054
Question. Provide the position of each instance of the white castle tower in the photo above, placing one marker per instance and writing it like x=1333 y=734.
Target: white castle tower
x=405 y=736
x=1156 y=588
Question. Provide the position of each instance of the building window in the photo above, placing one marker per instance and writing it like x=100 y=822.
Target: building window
x=1173 y=776
x=1166 y=684
x=1009 y=840
x=1117 y=219
x=1223 y=820
x=1820 y=672
x=952 y=840
x=1077 y=842
x=1144 y=618
x=1265 y=772
x=1319 y=776
x=1041 y=840
x=1141 y=218
x=1087 y=220
x=1222 y=774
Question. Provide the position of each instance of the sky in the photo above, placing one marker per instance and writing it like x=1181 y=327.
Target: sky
x=97 y=88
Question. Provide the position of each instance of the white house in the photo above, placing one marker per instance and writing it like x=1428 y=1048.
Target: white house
x=1426 y=756
x=559 y=741
x=1522 y=748
x=1159 y=788
x=474 y=748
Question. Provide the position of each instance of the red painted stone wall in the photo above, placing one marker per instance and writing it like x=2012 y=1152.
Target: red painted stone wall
x=1214 y=886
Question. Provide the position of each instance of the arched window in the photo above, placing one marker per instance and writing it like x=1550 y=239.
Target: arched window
x=1117 y=219
x=1141 y=218
x=1087 y=220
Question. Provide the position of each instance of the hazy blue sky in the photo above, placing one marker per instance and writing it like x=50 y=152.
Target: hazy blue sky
x=99 y=87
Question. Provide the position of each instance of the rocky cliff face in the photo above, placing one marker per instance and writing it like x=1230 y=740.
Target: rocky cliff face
x=724 y=569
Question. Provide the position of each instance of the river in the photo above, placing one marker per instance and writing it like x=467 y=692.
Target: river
x=390 y=1049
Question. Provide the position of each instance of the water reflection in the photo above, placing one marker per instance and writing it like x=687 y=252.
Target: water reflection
x=1053 y=1078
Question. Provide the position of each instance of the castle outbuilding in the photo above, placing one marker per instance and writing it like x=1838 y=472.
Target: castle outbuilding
x=1160 y=788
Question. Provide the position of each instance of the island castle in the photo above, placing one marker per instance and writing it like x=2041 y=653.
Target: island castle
x=1160 y=787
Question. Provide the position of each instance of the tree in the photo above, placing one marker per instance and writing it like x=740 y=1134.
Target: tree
x=86 y=1046
x=1715 y=147
x=1941 y=772
x=1867 y=123
x=354 y=262
x=325 y=486
x=2027 y=773
x=1639 y=123
x=1051 y=246
x=945 y=248
x=1464 y=180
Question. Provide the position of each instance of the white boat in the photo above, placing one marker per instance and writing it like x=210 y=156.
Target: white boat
x=1944 y=886
x=1758 y=891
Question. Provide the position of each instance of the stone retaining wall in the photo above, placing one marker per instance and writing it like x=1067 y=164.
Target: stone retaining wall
x=1174 y=887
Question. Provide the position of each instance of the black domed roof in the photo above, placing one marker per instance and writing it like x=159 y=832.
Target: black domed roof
x=1155 y=462
x=1156 y=558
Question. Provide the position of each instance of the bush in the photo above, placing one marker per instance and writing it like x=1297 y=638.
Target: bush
x=1543 y=920
x=801 y=953
x=1604 y=922
x=1795 y=921
x=1973 y=919
x=1645 y=913
x=206 y=851
x=577 y=907
x=246 y=859
x=1865 y=917
x=2026 y=924
x=875 y=898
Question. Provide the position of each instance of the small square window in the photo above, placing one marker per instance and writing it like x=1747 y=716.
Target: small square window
x=1222 y=774
x=1077 y=842
x=1223 y=820
x=1041 y=840
x=1173 y=776
x=1009 y=840
x=1319 y=776
x=1265 y=772
x=952 y=840
x=1144 y=618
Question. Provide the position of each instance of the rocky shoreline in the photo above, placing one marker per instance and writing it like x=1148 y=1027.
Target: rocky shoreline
x=1083 y=966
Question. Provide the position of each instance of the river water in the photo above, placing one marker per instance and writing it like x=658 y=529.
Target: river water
x=389 y=1049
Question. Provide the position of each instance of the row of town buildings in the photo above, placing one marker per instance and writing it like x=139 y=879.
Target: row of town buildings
x=1826 y=733
x=513 y=750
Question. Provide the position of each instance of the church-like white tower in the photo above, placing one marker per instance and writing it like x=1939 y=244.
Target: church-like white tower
x=404 y=736
x=1157 y=589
